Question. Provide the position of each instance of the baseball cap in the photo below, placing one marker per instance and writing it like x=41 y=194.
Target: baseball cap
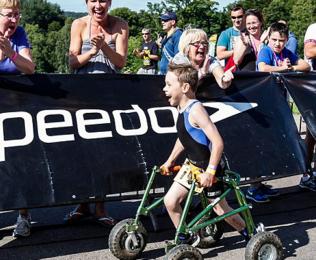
x=168 y=16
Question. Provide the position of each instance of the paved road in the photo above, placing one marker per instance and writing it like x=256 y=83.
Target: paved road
x=291 y=216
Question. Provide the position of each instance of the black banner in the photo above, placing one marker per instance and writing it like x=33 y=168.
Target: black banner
x=302 y=88
x=73 y=138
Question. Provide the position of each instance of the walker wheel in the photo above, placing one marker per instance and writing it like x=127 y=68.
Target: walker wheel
x=122 y=245
x=211 y=234
x=264 y=246
x=184 y=252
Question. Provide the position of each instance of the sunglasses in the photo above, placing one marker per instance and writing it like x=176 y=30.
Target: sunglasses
x=145 y=33
x=237 y=17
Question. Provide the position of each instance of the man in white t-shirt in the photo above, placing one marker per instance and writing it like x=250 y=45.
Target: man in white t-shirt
x=308 y=179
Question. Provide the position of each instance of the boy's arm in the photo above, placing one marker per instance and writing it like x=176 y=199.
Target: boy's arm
x=262 y=66
x=176 y=151
x=200 y=118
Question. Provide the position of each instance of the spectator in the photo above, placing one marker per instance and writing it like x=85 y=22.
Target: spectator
x=308 y=179
x=98 y=44
x=245 y=56
x=227 y=38
x=193 y=48
x=15 y=53
x=276 y=57
x=169 y=43
x=15 y=58
x=291 y=43
x=149 y=54
x=249 y=43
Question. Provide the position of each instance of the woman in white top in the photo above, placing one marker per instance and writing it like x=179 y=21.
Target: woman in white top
x=193 y=48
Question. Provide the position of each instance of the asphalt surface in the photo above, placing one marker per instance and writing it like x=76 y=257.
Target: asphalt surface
x=291 y=216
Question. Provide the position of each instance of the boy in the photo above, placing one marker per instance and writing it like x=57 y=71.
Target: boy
x=276 y=57
x=198 y=136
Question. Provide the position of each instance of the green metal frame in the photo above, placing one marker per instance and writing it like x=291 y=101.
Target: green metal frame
x=231 y=179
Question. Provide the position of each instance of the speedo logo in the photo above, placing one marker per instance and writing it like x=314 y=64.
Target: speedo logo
x=82 y=121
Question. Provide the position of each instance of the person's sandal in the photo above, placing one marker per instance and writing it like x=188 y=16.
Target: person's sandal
x=75 y=216
x=106 y=221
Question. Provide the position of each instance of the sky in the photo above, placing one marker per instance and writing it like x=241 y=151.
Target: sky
x=135 y=5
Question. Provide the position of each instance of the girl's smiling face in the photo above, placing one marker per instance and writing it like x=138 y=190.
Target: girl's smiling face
x=98 y=9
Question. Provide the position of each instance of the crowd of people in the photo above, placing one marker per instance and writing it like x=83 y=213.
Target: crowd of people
x=99 y=44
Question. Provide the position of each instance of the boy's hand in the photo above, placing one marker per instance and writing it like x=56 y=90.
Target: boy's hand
x=207 y=180
x=286 y=64
x=165 y=168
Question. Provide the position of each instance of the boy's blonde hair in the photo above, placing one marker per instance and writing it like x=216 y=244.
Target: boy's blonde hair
x=10 y=4
x=186 y=73
x=189 y=36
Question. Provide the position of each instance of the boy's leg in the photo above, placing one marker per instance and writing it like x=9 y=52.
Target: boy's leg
x=173 y=199
x=235 y=221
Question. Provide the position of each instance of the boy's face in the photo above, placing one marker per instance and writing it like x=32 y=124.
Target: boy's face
x=173 y=89
x=277 y=41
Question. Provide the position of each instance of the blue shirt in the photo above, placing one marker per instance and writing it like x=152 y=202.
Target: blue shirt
x=18 y=41
x=169 y=48
x=271 y=58
x=291 y=43
x=228 y=38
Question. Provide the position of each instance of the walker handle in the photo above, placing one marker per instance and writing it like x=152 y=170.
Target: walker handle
x=173 y=169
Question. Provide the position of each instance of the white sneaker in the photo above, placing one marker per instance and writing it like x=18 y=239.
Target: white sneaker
x=23 y=226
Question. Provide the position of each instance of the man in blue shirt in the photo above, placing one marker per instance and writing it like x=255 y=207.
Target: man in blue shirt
x=169 y=44
x=276 y=57
x=227 y=38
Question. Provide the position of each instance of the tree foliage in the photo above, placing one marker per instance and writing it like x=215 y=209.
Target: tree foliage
x=42 y=13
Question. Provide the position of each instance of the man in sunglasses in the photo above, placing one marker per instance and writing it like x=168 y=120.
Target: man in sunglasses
x=169 y=44
x=227 y=38
x=149 y=53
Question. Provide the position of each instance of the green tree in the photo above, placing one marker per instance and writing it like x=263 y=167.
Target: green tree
x=257 y=4
x=133 y=63
x=302 y=15
x=131 y=17
x=189 y=13
x=37 y=39
x=278 y=10
x=42 y=13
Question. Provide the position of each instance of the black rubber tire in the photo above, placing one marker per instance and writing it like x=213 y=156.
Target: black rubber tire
x=118 y=237
x=210 y=234
x=184 y=252
x=264 y=246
